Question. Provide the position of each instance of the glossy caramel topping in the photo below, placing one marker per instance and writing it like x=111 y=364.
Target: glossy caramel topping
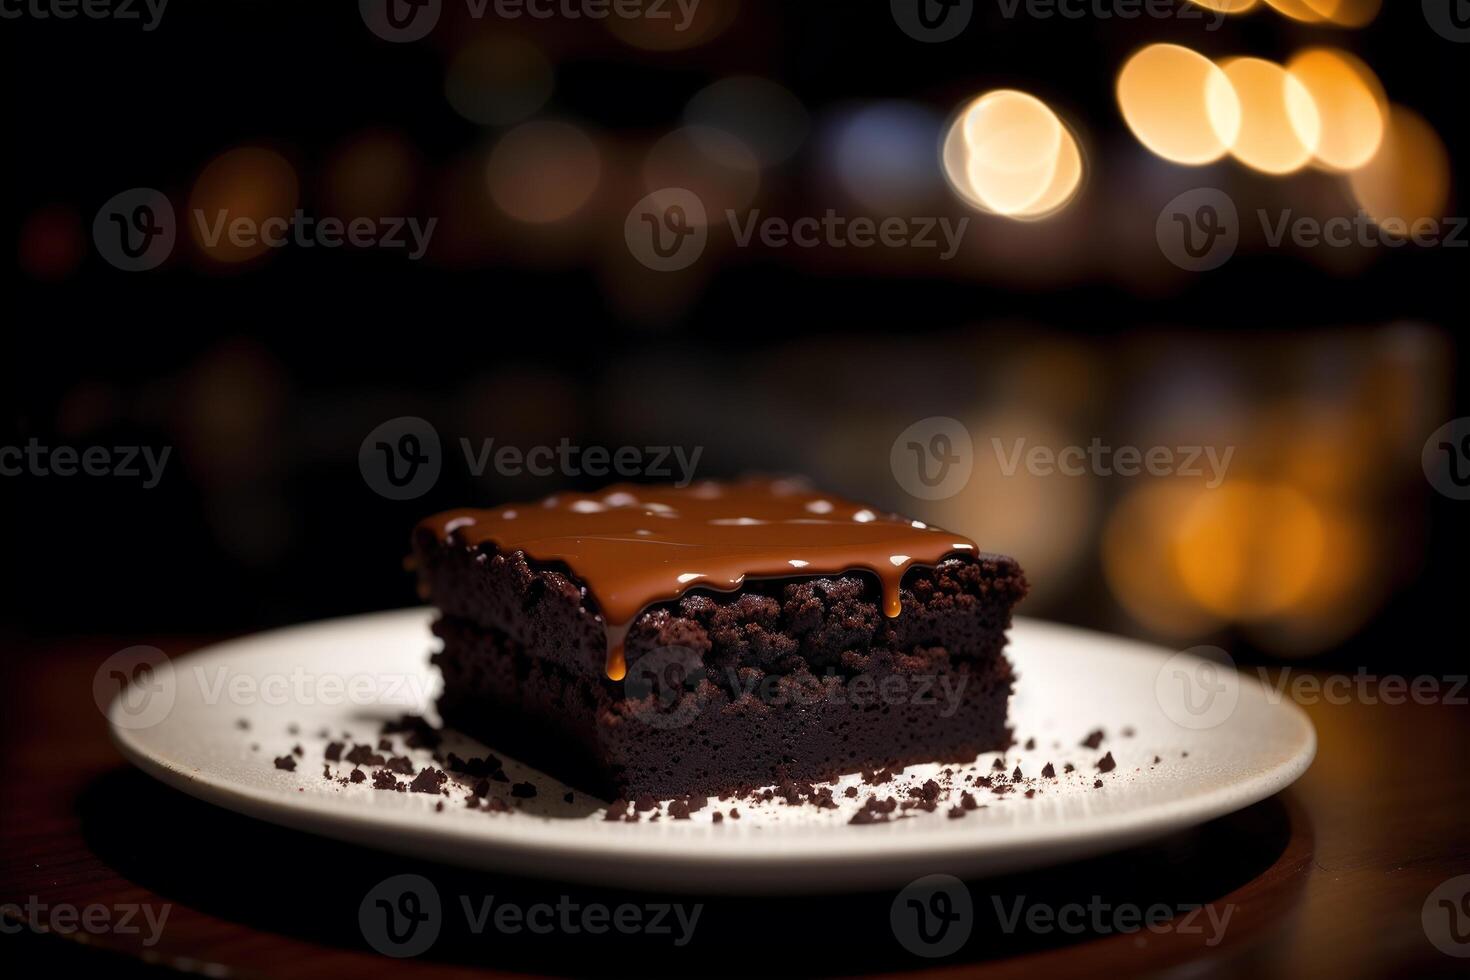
x=634 y=546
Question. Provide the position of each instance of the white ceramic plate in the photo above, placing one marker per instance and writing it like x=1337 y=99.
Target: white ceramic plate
x=215 y=720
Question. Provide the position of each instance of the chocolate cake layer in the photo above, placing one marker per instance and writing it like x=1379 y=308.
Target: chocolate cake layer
x=801 y=677
x=680 y=729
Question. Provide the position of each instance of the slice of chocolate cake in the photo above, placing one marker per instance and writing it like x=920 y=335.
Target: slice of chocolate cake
x=668 y=641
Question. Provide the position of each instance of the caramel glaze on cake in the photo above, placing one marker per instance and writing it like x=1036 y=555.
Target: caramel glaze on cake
x=634 y=546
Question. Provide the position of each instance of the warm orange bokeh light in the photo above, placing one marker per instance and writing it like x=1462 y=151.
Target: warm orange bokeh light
x=543 y=171
x=1138 y=561
x=1007 y=153
x=241 y=189
x=1247 y=551
x=1279 y=124
x=687 y=27
x=718 y=166
x=1350 y=102
x=1229 y=6
x=1179 y=104
x=1408 y=179
x=1339 y=13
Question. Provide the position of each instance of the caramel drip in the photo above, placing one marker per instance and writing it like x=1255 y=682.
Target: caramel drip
x=617 y=664
x=633 y=546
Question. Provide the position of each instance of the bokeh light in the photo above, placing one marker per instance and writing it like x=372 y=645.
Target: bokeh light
x=1350 y=102
x=1248 y=551
x=882 y=153
x=543 y=171
x=1228 y=6
x=52 y=243
x=1138 y=560
x=498 y=81
x=763 y=114
x=1037 y=518
x=717 y=166
x=1007 y=153
x=1408 y=179
x=1179 y=104
x=251 y=183
x=1339 y=13
x=688 y=26
x=1296 y=9
x=1280 y=128
x=371 y=175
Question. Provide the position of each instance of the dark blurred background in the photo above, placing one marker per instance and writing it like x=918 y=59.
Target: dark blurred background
x=528 y=319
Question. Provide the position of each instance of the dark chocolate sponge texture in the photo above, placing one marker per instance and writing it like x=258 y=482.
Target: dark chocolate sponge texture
x=801 y=678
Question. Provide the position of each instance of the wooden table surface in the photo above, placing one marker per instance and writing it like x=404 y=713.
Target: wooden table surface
x=1329 y=878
